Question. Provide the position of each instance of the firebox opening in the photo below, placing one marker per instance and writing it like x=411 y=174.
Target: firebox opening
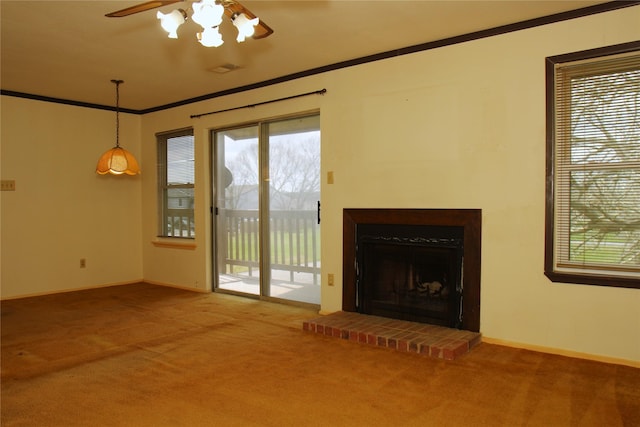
x=410 y=273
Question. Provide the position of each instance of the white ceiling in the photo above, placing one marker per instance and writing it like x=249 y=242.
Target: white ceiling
x=70 y=50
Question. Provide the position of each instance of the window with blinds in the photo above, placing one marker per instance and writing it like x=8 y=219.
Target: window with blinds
x=593 y=167
x=176 y=178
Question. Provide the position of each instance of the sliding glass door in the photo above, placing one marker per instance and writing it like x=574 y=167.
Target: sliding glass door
x=267 y=195
x=237 y=225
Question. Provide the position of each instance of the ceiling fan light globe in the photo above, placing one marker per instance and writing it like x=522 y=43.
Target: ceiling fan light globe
x=245 y=26
x=207 y=13
x=171 y=21
x=210 y=37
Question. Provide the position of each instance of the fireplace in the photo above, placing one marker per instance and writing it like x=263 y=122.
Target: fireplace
x=420 y=265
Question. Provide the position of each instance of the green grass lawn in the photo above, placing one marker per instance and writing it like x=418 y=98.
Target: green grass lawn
x=609 y=249
x=285 y=248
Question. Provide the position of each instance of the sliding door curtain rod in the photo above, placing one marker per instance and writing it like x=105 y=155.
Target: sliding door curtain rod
x=316 y=92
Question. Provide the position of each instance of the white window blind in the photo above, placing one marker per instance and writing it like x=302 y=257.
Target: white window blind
x=180 y=160
x=176 y=177
x=596 y=188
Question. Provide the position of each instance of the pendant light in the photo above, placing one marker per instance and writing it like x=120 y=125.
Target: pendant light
x=117 y=161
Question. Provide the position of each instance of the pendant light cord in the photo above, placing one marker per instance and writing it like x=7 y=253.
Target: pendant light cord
x=117 y=83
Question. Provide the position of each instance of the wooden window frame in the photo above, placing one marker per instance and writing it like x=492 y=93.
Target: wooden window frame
x=163 y=185
x=603 y=278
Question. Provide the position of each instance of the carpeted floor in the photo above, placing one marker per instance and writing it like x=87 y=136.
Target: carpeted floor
x=142 y=355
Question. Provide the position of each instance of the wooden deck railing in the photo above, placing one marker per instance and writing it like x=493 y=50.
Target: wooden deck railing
x=180 y=223
x=294 y=248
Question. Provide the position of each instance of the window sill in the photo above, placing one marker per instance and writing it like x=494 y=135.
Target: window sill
x=174 y=244
x=598 y=280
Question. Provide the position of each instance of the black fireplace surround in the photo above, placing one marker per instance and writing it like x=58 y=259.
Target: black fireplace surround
x=420 y=265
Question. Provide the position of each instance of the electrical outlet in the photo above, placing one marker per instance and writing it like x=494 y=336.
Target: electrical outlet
x=83 y=263
x=330 y=279
x=8 y=185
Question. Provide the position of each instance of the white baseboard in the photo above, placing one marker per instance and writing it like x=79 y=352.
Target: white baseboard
x=63 y=291
x=171 y=285
x=561 y=352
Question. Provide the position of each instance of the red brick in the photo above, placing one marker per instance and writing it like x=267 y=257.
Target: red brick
x=460 y=348
x=371 y=339
x=475 y=341
x=400 y=340
x=424 y=348
x=435 y=351
x=392 y=342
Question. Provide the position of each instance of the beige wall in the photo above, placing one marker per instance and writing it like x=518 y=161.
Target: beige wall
x=62 y=210
x=456 y=127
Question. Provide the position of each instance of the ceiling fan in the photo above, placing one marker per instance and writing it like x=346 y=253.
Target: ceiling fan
x=232 y=9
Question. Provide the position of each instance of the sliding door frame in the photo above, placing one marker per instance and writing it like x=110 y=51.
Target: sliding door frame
x=264 y=208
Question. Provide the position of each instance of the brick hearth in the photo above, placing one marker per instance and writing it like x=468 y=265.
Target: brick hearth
x=399 y=335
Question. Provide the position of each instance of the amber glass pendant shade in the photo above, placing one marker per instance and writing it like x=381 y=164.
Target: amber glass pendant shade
x=118 y=161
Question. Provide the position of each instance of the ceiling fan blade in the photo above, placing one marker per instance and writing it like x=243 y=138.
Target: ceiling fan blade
x=232 y=7
x=142 y=7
